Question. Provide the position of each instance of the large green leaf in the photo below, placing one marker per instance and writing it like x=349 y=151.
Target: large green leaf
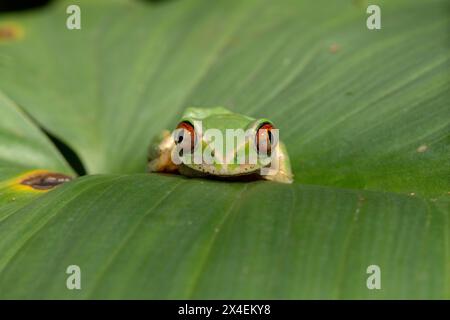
x=364 y=115
x=23 y=147
x=143 y=236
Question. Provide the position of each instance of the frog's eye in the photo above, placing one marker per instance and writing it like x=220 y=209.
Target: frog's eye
x=185 y=135
x=265 y=138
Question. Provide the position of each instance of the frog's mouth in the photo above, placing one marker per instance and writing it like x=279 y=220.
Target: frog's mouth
x=233 y=176
x=243 y=177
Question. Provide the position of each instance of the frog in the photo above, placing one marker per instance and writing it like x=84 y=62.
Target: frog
x=192 y=148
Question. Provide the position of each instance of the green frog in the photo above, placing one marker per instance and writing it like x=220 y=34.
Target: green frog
x=218 y=143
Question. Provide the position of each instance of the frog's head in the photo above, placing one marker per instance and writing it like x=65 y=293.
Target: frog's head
x=223 y=143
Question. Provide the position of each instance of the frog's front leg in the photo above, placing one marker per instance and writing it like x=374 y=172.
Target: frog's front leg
x=159 y=154
x=280 y=170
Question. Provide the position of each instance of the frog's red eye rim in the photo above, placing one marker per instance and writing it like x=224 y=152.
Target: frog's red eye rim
x=265 y=138
x=187 y=129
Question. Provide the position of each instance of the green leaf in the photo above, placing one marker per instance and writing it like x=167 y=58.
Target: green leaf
x=23 y=149
x=143 y=236
x=364 y=115
x=23 y=145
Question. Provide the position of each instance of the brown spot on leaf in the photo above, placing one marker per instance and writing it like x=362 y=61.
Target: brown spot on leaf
x=6 y=33
x=10 y=32
x=45 y=181
x=334 y=47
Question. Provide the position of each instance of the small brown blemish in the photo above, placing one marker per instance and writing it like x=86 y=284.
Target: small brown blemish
x=334 y=47
x=10 y=32
x=422 y=148
x=45 y=180
x=6 y=33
